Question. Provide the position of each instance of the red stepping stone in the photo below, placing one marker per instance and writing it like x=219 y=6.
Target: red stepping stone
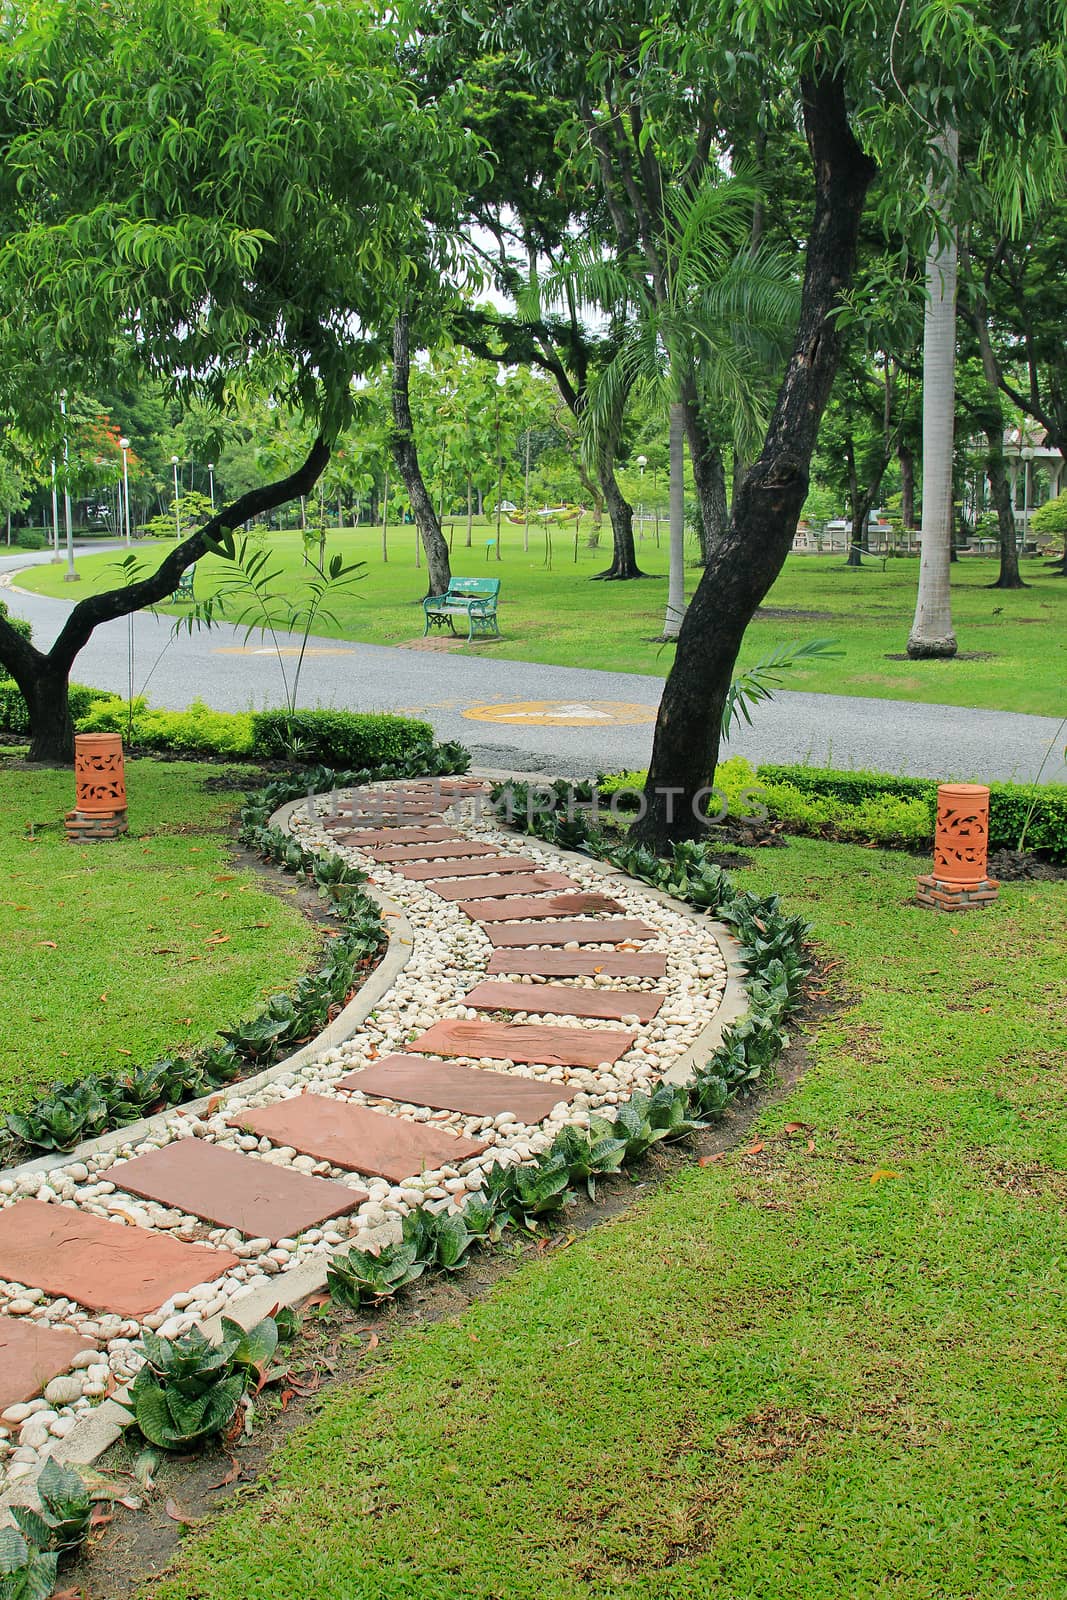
x=360 y=1140
x=31 y=1356
x=235 y=1191
x=609 y=932
x=537 y=905
x=458 y=846
x=463 y=867
x=508 y=1041
x=552 y=998
x=364 y=836
x=446 y=1086
x=517 y=883
x=102 y=1265
x=579 y=963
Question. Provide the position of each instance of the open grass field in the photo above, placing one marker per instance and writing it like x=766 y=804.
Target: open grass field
x=825 y=1365
x=556 y=615
x=123 y=952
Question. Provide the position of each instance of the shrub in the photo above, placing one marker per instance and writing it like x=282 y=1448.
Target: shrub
x=18 y=623
x=31 y=539
x=338 y=738
x=1013 y=807
x=198 y=730
x=15 y=718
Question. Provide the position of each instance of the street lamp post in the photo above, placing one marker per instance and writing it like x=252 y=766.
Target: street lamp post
x=55 y=516
x=642 y=463
x=124 y=445
x=211 y=481
x=70 y=576
x=177 y=508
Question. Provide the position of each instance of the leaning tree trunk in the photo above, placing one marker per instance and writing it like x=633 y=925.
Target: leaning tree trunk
x=931 y=634
x=768 y=503
x=406 y=456
x=43 y=678
x=672 y=621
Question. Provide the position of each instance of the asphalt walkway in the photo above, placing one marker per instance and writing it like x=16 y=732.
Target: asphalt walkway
x=573 y=721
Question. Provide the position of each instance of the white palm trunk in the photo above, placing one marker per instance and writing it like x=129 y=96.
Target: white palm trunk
x=931 y=632
x=676 y=565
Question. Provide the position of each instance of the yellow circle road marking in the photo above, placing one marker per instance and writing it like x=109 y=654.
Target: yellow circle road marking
x=563 y=713
x=284 y=650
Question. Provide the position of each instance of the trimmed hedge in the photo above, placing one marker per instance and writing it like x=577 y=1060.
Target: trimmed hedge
x=14 y=717
x=338 y=738
x=349 y=740
x=198 y=730
x=1010 y=804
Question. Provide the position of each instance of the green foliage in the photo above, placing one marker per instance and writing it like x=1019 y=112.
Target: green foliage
x=1051 y=518
x=1040 y=810
x=198 y=730
x=762 y=681
x=188 y=1389
x=62 y=1522
x=645 y=1120
x=533 y=1190
x=23 y=628
x=342 y=738
x=366 y=1277
x=15 y=718
x=25 y=1574
x=588 y=1155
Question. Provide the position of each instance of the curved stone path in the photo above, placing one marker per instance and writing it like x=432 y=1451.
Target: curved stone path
x=532 y=997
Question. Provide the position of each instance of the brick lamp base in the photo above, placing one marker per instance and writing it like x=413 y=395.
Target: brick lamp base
x=85 y=826
x=955 y=897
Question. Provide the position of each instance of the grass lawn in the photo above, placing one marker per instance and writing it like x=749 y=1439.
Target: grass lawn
x=826 y=1365
x=123 y=952
x=558 y=616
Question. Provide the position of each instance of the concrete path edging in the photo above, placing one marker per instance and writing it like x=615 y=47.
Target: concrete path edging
x=101 y=1428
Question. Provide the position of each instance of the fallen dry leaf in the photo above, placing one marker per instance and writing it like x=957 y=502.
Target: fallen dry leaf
x=373 y=1342
x=228 y=1477
x=753 y=1149
x=176 y=1514
x=706 y=1161
x=49 y=944
x=797 y=1127
x=883 y=1172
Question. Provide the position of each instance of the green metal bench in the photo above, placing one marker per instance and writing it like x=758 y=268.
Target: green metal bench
x=186 y=589
x=473 y=598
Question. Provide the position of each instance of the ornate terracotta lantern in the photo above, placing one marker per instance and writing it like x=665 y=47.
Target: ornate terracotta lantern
x=961 y=846
x=100 y=777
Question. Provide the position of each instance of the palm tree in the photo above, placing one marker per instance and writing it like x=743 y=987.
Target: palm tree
x=931 y=632
x=704 y=338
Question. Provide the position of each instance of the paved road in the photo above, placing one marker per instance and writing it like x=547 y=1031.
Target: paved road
x=833 y=730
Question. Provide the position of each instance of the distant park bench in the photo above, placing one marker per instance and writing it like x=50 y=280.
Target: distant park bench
x=473 y=598
x=186 y=589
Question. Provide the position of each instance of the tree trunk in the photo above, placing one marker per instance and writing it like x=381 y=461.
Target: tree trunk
x=43 y=678
x=768 y=503
x=931 y=634
x=709 y=475
x=52 y=729
x=672 y=621
x=624 y=554
x=1000 y=489
x=907 y=485
x=855 y=542
x=405 y=454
